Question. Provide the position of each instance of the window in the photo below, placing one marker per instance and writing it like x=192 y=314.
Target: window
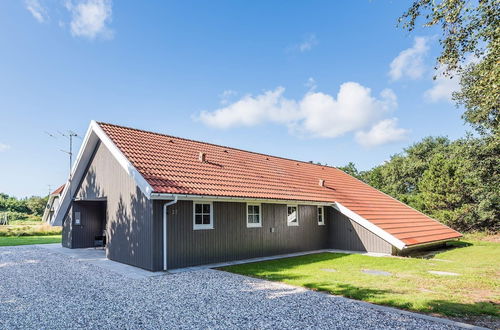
x=293 y=216
x=203 y=216
x=254 y=218
x=321 y=215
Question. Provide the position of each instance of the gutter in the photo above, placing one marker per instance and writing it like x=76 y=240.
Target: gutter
x=163 y=196
x=410 y=247
x=165 y=214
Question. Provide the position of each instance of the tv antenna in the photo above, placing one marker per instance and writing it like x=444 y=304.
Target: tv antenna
x=69 y=135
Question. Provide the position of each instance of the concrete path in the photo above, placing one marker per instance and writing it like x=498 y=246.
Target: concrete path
x=98 y=258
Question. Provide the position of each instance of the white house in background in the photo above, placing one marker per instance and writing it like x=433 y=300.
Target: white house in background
x=52 y=204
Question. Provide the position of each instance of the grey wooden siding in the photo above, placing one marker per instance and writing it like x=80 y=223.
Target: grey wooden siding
x=346 y=234
x=231 y=239
x=129 y=224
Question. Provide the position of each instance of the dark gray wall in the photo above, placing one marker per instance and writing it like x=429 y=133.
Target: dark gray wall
x=346 y=234
x=129 y=223
x=231 y=239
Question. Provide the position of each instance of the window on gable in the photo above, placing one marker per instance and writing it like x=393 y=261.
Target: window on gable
x=321 y=215
x=292 y=215
x=254 y=218
x=203 y=216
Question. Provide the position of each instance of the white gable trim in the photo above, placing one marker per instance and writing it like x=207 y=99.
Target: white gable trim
x=124 y=162
x=369 y=226
x=95 y=134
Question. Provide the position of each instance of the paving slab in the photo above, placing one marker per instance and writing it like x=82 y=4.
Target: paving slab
x=441 y=273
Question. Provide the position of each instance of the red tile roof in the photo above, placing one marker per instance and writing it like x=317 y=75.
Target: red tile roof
x=58 y=190
x=171 y=165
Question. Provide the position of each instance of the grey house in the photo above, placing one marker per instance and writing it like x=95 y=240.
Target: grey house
x=160 y=202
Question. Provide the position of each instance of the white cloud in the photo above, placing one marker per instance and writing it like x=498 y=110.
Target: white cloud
x=250 y=111
x=409 y=63
x=385 y=131
x=354 y=108
x=315 y=114
x=225 y=96
x=37 y=10
x=442 y=87
x=308 y=43
x=90 y=18
x=311 y=84
x=4 y=147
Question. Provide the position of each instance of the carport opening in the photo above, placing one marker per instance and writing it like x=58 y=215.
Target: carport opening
x=91 y=229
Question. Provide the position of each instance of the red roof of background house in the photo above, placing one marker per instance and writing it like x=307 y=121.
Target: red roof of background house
x=171 y=165
x=58 y=190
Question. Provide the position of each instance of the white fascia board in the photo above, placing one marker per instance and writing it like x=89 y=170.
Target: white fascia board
x=84 y=155
x=92 y=137
x=369 y=226
x=163 y=196
x=122 y=160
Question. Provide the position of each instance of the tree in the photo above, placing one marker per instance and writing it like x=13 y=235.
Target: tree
x=350 y=169
x=470 y=30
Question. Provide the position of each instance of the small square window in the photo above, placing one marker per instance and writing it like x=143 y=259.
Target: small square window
x=254 y=218
x=78 y=219
x=292 y=215
x=202 y=216
x=321 y=215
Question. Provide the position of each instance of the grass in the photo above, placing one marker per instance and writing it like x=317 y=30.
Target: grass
x=37 y=229
x=475 y=292
x=27 y=240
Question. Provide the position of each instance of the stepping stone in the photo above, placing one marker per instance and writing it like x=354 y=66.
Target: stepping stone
x=437 y=272
x=328 y=270
x=376 y=272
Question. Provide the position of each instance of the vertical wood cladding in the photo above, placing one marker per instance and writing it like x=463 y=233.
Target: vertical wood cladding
x=129 y=214
x=231 y=239
x=346 y=234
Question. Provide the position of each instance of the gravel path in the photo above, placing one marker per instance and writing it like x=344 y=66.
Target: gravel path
x=45 y=290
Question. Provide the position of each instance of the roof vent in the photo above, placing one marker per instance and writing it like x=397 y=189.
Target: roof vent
x=321 y=182
x=202 y=157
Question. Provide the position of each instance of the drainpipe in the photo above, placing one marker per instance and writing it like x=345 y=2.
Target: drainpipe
x=165 y=214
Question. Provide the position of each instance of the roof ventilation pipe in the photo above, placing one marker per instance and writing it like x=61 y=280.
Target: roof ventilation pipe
x=202 y=157
x=321 y=182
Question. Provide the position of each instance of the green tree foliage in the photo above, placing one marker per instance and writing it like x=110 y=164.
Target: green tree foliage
x=350 y=169
x=457 y=183
x=32 y=206
x=470 y=29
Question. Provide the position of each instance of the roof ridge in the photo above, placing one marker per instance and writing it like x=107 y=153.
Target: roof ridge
x=217 y=145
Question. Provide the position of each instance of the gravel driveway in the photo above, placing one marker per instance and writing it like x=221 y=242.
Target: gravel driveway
x=46 y=290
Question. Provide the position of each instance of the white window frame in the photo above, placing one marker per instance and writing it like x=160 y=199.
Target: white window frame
x=203 y=226
x=296 y=223
x=252 y=224
x=321 y=221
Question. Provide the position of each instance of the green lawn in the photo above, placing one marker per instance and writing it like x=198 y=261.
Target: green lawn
x=26 y=240
x=475 y=292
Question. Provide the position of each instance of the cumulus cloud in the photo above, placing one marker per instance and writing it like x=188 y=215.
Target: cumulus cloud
x=409 y=63
x=385 y=131
x=252 y=110
x=316 y=114
x=442 y=87
x=353 y=108
x=37 y=10
x=90 y=18
x=4 y=147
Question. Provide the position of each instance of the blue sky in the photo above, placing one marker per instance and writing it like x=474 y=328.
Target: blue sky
x=329 y=81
